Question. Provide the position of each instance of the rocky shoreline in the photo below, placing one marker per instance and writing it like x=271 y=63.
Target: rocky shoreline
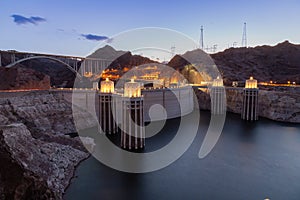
x=38 y=159
x=275 y=105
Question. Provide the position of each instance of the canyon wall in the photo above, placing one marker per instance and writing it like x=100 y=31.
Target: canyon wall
x=37 y=158
x=275 y=105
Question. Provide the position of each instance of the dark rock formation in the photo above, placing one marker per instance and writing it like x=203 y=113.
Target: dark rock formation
x=17 y=78
x=37 y=159
x=127 y=60
x=33 y=168
x=178 y=62
x=107 y=53
x=279 y=63
x=60 y=75
x=42 y=111
x=120 y=60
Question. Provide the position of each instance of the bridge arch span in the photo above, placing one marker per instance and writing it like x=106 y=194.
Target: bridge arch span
x=45 y=57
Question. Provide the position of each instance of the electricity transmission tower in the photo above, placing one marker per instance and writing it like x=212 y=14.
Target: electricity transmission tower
x=201 y=45
x=172 y=51
x=244 y=38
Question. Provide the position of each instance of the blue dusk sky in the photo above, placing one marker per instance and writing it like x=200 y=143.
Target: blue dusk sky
x=77 y=27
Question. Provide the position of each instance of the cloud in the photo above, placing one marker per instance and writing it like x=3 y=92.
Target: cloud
x=19 y=19
x=94 y=37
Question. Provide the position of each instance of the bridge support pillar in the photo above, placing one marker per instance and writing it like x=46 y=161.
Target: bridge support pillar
x=12 y=58
x=76 y=65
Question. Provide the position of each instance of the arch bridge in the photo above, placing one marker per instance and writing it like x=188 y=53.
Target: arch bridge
x=78 y=65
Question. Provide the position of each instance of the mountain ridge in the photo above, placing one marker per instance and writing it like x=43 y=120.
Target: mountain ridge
x=279 y=63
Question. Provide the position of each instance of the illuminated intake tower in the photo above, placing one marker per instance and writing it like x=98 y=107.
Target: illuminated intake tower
x=107 y=107
x=218 y=97
x=133 y=131
x=250 y=100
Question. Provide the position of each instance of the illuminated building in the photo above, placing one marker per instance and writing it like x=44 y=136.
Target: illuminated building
x=218 y=97
x=251 y=83
x=250 y=100
x=133 y=131
x=132 y=89
x=107 y=86
x=107 y=107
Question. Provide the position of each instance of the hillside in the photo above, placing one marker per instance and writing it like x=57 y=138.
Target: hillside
x=122 y=61
x=278 y=63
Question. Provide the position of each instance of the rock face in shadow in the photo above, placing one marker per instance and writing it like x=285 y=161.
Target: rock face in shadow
x=107 y=52
x=42 y=111
x=37 y=158
x=60 y=75
x=120 y=61
x=18 y=78
x=279 y=63
x=32 y=168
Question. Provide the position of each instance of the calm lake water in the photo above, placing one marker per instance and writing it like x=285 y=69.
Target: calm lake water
x=250 y=161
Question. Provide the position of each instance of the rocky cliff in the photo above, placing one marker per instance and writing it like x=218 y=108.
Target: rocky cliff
x=275 y=105
x=41 y=111
x=37 y=168
x=37 y=158
x=17 y=78
x=121 y=61
x=60 y=75
x=278 y=63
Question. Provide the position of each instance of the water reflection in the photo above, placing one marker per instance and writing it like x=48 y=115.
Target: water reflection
x=250 y=161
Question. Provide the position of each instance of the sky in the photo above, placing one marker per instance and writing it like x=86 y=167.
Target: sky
x=78 y=27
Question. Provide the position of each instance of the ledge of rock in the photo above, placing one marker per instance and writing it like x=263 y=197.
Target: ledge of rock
x=34 y=168
x=43 y=111
x=37 y=158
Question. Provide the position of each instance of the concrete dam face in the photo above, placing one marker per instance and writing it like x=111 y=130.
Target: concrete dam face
x=161 y=104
